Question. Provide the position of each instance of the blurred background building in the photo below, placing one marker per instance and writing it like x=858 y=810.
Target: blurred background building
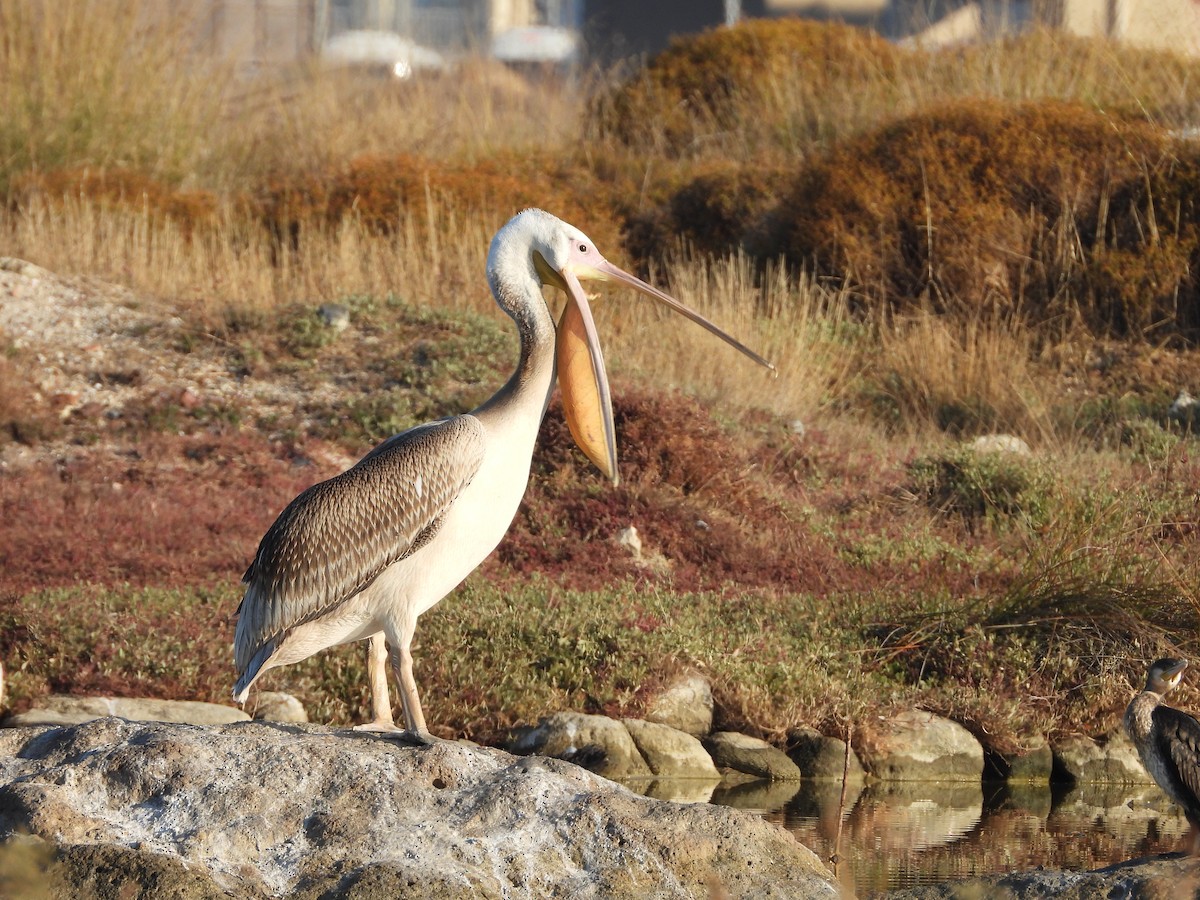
x=565 y=32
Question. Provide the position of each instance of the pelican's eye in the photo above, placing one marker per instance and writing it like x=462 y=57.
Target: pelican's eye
x=583 y=248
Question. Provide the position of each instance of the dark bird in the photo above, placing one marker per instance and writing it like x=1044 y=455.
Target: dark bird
x=1168 y=740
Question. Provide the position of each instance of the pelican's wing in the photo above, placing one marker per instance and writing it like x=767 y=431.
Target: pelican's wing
x=1178 y=737
x=335 y=538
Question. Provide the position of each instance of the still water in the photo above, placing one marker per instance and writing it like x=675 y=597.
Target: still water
x=900 y=834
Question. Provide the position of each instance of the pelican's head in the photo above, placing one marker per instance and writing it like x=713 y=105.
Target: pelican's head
x=1165 y=675
x=559 y=254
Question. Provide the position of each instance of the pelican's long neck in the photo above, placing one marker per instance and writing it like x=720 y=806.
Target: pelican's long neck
x=518 y=291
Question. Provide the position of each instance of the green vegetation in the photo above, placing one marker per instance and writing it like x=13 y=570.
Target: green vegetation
x=931 y=246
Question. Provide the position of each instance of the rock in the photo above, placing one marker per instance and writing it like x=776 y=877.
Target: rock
x=821 y=757
x=686 y=705
x=307 y=812
x=743 y=753
x=916 y=745
x=1167 y=878
x=1030 y=765
x=62 y=709
x=1183 y=411
x=272 y=706
x=669 y=752
x=334 y=316
x=1112 y=760
x=37 y=716
x=598 y=743
x=629 y=539
x=1000 y=443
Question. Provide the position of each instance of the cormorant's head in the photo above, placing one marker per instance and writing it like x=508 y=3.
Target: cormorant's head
x=1165 y=675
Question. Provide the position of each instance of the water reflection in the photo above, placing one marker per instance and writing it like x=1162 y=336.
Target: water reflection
x=901 y=834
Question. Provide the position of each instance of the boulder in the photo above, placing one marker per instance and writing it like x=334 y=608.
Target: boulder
x=670 y=753
x=742 y=753
x=686 y=704
x=273 y=706
x=823 y=758
x=1139 y=879
x=598 y=743
x=1111 y=760
x=63 y=709
x=916 y=745
x=1030 y=765
x=301 y=811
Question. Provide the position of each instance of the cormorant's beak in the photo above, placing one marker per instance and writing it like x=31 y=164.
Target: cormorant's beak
x=587 y=402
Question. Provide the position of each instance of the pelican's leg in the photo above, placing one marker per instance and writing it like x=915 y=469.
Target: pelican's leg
x=381 y=703
x=402 y=666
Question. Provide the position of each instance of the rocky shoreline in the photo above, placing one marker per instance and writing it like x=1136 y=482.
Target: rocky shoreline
x=201 y=800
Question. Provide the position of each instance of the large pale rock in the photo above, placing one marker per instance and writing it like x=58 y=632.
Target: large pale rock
x=594 y=742
x=1111 y=760
x=63 y=709
x=670 y=753
x=823 y=758
x=301 y=811
x=686 y=705
x=916 y=745
x=742 y=753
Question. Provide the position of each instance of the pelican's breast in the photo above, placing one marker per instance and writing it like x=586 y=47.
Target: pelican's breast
x=477 y=520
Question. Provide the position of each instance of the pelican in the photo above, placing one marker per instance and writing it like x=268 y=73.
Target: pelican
x=1168 y=740
x=365 y=553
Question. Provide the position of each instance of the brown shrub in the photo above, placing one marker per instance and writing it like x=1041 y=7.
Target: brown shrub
x=119 y=188
x=728 y=75
x=972 y=202
x=720 y=207
x=382 y=190
x=1143 y=276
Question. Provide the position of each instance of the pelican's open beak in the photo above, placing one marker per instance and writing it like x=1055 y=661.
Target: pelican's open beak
x=587 y=402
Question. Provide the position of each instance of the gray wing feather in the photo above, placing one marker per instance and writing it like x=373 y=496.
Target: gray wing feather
x=335 y=538
x=1178 y=736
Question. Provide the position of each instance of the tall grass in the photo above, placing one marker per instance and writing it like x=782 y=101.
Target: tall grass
x=106 y=83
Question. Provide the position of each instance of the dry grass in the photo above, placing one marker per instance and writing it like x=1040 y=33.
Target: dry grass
x=235 y=265
x=105 y=83
x=967 y=375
